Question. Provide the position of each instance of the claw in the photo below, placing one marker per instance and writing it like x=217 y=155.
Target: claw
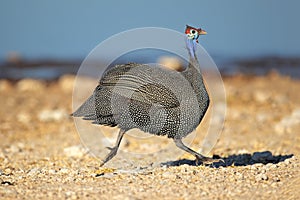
x=102 y=163
x=207 y=160
x=110 y=148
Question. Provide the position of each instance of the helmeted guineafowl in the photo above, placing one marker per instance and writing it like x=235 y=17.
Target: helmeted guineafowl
x=155 y=100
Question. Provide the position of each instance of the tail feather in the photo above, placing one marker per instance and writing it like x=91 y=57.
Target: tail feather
x=88 y=112
x=87 y=109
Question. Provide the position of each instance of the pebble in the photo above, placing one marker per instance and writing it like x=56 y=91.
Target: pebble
x=239 y=176
x=52 y=171
x=184 y=168
x=13 y=149
x=24 y=117
x=33 y=172
x=70 y=195
x=32 y=85
x=261 y=176
x=256 y=166
x=262 y=117
x=75 y=151
x=276 y=179
x=287 y=161
x=234 y=113
x=296 y=114
x=52 y=115
x=287 y=122
x=64 y=170
x=7 y=171
x=261 y=96
x=242 y=151
x=169 y=175
x=271 y=166
x=107 y=175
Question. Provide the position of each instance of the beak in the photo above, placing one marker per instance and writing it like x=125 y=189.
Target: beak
x=202 y=32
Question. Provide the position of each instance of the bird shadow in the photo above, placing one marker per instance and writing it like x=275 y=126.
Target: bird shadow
x=264 y=157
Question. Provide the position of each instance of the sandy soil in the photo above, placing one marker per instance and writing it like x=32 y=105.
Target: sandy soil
x=41 y=155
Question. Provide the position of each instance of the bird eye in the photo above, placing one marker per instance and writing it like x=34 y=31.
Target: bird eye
x=193 y=31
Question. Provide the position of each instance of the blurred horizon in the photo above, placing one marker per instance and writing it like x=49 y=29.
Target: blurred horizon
x=71 y=29
x=47 y=34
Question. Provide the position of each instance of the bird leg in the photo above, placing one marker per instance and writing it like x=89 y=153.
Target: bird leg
x=199 y=158
x=113 y=150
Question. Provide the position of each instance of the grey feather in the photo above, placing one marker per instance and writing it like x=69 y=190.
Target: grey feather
x=153 y=99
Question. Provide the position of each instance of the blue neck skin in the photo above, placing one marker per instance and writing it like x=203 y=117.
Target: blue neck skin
x=191 y=45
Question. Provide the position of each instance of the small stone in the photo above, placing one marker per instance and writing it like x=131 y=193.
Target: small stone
x=276 y=179
x=204 y=193
x=75 y=151
x=52 y=171
x=108 y=175
x=287 y=122
x=280 y=129
x=21 y=145
x=261 y=176
x=296 y=114
x=271 y=166
x=263 y=171
x=264 y=177
x=242 y=151
x=240 y=176
x=169 y=175
x=71 y=195
x=23 y=118
x=64 y=170
x=262 y=117
x=184 y=168
x=234 y=113
x=256 y=166
x=52 y=115
x=33 y=172
x=287 y=162
x=261 y=96
x=26 y=85
x=13 y=149
x=50 y=194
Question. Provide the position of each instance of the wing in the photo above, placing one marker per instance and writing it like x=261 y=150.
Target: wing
x=137 y=90
x=142 y=83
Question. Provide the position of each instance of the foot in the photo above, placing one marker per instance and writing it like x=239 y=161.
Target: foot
x=207 y=160
x=110 y=155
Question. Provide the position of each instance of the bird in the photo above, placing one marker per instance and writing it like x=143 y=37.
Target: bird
x=153 y=99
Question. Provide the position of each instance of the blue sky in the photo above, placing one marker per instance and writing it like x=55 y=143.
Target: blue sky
x=72 y=28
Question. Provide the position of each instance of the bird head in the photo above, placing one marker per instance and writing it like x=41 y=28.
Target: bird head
x=194 y=33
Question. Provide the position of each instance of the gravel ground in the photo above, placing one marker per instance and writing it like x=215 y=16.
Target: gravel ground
x=42 y=157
